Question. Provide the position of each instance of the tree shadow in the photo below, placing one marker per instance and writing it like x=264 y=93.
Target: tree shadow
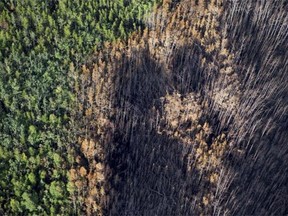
x=187 y=73
x=150 y=174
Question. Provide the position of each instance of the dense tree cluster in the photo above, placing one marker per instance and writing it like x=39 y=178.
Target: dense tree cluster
x=42 y=46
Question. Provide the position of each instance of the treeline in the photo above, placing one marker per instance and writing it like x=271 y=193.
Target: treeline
x=42 y=46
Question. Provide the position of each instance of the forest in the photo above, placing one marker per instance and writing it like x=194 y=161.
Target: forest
x=43 y=45
x=130 y=107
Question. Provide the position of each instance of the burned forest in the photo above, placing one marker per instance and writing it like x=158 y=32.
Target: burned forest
x=185 y=114
x=189 y=115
